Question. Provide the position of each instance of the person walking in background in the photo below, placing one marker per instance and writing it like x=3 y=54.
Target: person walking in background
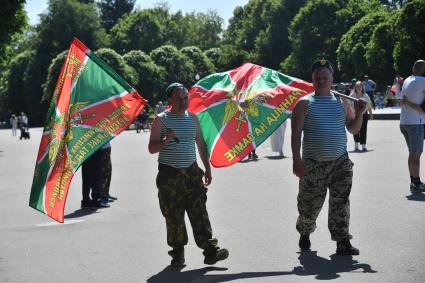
x=159 y=108
x=323 y=118
x=14 y=124
x=277 y=139
x=360 y=138
x=398 y=82
x=379 y=101
x=369 y=87
x=390 y=95
x=24 y=120
x=180 y=186
x=23 y=126
x=412 y=120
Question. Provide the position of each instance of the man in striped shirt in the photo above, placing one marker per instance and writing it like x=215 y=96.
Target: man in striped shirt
x=181 y=189
x=322 y=117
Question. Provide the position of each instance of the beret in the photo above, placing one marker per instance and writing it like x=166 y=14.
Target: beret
x=322 y=63
x=171 y=87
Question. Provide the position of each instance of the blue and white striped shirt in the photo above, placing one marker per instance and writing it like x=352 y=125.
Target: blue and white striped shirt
x=183 y=154
x=325 y=138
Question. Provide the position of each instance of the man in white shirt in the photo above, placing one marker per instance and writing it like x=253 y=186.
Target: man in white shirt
x=412 y=120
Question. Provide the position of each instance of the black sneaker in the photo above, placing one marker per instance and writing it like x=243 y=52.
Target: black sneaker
x=417 y=188
x=177 y=257
x=215 y=256
x=304 y=242
x=344 y=247
x=86 y=203
x=100 y=204
x=111 y=198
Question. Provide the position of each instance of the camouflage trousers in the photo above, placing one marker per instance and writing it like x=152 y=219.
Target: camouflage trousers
x=318 y=176
x=182 y=191
x=106 y=168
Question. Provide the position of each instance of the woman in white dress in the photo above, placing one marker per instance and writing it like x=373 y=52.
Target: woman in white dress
x=14 y=124
x=277 y=139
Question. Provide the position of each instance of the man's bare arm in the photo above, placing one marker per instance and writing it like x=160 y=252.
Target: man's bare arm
x=155 y=141
x=203 y=153
x=297 y=125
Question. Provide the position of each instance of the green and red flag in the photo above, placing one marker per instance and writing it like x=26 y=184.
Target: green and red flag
x=91 y=104
x=239 y=109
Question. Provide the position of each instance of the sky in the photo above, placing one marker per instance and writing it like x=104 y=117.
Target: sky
x=223 y=7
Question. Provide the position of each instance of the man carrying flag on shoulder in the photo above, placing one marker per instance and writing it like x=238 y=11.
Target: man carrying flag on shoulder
x=180 y=186
x=324 y=164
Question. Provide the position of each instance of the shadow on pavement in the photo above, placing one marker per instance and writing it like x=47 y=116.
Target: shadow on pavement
x=325 y=269
x=361 y=151
x=416 y=197
x=275 y=157
x=311 y=265
x=80 y=213
x=248 y=160
x=172 y=274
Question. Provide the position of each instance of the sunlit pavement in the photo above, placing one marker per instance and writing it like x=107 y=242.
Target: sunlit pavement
x=252 y=207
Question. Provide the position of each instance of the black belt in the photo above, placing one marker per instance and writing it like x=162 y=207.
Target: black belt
x=173 y=170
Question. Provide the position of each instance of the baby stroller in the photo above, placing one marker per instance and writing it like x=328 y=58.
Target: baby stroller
x=25 y=134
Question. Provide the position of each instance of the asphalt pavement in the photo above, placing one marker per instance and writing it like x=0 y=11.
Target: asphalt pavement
x=252 y=207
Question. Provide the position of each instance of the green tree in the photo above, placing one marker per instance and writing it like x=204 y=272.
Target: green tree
x=118 y=64
x=410 y=36
x=203 y=29
x=215 y=55
x=151 y=77
x=379 y=54
x=248 y=22
x=53 y=75
x=66 y=19
x=111 y=11
x=352 y=48
x=63 y=20
x=272 y=44
x=13 y=20
x=233 y=33
x=138 y=31
x=316 y=30
x=203 y=65
x=232 y=58
x=18 y=92
x=178 y=67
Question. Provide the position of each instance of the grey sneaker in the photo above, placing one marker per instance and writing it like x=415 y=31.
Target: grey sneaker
x=417 y=189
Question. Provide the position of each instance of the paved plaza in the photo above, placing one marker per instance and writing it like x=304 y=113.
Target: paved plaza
x=252 y=206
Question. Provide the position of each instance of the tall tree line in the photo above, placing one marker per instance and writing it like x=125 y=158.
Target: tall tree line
x=152 y=47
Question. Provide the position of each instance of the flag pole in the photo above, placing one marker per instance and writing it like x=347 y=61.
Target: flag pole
x=344 y=96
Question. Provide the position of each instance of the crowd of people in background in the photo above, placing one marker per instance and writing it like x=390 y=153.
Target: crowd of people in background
x=378 y=99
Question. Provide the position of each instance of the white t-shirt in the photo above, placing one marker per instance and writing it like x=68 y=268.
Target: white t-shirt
x=364 y=97
x=414 y=90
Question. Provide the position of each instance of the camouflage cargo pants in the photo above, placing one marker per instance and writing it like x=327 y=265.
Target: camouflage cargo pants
x=106 y=168
x=336 y=175
x=181 y=191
